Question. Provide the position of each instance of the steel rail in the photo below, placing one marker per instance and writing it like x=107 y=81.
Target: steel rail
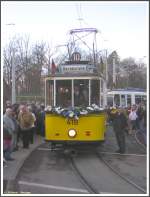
x=82 y=179
x=119 y=174
x=138 y=141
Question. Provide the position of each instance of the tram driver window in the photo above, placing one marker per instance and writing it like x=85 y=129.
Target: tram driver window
x=81 y=92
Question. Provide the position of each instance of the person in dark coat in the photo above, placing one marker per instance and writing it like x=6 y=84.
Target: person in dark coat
x=119 y=125
x=42 y=121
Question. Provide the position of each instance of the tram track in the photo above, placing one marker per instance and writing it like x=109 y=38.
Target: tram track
x=93 y=175
x=90 y=188
x=101 y=158
x=94 y=182
x=142 y=145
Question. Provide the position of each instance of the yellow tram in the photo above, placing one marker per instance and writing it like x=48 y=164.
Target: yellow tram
x=74 y=97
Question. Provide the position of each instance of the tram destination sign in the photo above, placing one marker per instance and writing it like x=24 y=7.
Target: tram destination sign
x=77 y=68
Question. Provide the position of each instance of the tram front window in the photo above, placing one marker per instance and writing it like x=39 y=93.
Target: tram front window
x=81 y=92
x=63 y=93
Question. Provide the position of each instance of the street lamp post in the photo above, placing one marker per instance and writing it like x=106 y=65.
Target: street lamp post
x=13 y=77
x=114 y=72
x=13 y=81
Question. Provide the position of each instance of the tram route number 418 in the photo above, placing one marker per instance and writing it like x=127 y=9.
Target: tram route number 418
x=72 y=121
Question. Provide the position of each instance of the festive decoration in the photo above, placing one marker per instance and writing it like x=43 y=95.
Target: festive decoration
x=74 y=112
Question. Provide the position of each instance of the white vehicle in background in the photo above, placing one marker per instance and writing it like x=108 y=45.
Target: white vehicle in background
x=125 y=97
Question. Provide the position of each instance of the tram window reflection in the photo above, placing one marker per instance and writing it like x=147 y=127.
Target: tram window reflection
x=63 y=93
x=81 y=92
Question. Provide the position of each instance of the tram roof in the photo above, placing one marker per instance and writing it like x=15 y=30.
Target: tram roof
x=128 y=91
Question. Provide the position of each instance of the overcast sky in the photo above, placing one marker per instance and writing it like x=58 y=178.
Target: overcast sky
x=123 y=24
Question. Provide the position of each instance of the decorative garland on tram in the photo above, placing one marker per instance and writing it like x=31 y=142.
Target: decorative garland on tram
x=75 y=112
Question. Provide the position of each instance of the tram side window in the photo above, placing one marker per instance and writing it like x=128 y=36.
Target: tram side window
x=117 y=99
x=138 y=99
x=95 y=91
x=110 y=101
x=123 y=101
x=144 y=100
x=50 y=92
x=81 y=92
x=63 y=93
x=129 y=100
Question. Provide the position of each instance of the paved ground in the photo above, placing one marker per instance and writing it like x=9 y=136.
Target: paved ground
x=10 y=172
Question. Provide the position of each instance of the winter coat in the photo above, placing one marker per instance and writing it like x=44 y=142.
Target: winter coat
x=119 y=122
x=8 y=124
x=26 y=120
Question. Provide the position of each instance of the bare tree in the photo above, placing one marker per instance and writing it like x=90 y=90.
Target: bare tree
x=28 y=64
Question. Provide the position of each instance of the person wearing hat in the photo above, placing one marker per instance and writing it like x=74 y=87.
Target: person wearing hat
x=119 y=122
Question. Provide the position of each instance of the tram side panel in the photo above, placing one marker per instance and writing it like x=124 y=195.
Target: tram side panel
x=88 y=128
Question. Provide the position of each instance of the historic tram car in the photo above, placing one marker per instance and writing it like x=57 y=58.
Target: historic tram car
x=74 y=97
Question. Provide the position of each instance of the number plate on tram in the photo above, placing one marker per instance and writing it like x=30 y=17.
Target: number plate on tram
x=72 y=122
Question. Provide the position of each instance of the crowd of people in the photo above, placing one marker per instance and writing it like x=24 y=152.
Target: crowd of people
x=127 y=120
x=21 y=122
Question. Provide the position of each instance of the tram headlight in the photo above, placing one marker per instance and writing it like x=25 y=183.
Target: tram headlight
x=72 y=133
